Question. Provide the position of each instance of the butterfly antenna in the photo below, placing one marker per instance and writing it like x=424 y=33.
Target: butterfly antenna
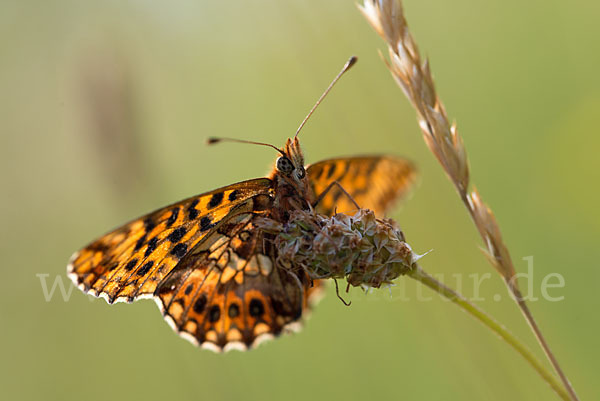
x=346 y=67
x=214 y=140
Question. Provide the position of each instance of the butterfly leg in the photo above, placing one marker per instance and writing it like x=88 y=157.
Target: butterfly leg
x=329 y=187
x=337 y=292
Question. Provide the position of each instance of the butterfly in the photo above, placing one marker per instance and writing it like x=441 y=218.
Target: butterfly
x=212 y=271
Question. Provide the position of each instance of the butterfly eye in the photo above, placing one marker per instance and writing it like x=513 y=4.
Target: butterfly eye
x=300 y=173
x=284 y=165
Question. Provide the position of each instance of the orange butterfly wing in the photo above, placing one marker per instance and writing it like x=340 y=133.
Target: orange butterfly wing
x=228 y=292
x=210 y=270
x=129 y=262
x=374 y=182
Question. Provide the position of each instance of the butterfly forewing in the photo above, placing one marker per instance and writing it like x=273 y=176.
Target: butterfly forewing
x=374 y=182
x=131 y=261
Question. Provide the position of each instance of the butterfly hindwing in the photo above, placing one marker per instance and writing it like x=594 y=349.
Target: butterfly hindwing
x=227 y=293
x=130 y=262
x=374 y=182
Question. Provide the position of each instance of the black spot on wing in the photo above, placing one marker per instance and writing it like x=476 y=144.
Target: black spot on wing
x=149 y=224
x=215 y=200
x=371 y=167
x=214 y=314
x=331 y=170
x=140 y=242
x=179 y=250
x=131 y=264
x=200 y=304
x=234 y=311
x=173 y=217
x=151 y=246
x=256 y=308
x=346 y=168
x=206 y=223
x=233 y=195
x=189 y=289
x=145 y=269
x=177 y=234
x=192 y=211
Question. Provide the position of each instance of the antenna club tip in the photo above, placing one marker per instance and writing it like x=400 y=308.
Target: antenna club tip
x=351 y=61
x=212 y=140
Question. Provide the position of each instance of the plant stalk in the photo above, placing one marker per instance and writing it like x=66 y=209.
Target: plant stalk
x=528 y=316
x=426 y=279
x=542 y=341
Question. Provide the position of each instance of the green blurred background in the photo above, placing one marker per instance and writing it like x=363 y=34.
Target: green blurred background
x=104 y=111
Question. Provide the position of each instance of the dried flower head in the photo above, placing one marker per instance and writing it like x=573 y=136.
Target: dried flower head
x=367 y=251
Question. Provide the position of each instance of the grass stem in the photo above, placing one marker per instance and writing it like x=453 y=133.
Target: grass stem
x=426 y=279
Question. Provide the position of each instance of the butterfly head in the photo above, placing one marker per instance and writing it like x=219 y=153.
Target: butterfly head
x=289 y=167
x=291 y=161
